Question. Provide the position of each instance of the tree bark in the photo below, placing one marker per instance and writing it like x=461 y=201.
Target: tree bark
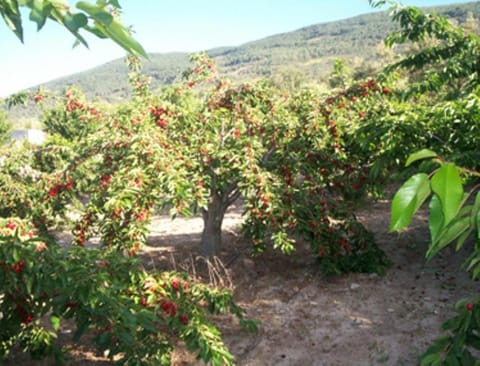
x=212 y=229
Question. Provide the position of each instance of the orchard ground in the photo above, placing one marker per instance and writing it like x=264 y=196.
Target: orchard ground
x=307 y=318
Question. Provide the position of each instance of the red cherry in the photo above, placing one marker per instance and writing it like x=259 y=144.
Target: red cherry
x=469 y=306
x=69 y=184
x=11 y=225
x=105 y=179
x=175 y=285
x=161 y=123
x=356 y=186
x=170 y=308
x=27 y=319
x=183 y=319
x=18 y=267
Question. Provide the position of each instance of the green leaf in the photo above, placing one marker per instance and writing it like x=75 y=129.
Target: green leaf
x=125 y=337
x=475 y=216
x=408 y=200
x=467 y=358
x=82 y=326
x=147 y=321
x=15 y=254
x=377 y=3
x=453 y=323
x=70 y=23
x=478 y=225
x=435 y=220
x=419 y=155
x=112 y=28
x=37 y=14
x=473 y=260
x=81 y=20
x=12 y=17
x=474 y=340
x=476 y=271
x=447 y=184
x=448 y=235
x=55 y=321
x=29 y=284
x=462 y=238
x=115 y=3
x=430 y=359
x=440 y=344
x=452 y=360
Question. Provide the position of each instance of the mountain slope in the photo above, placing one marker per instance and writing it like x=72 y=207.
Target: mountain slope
x=309 y=51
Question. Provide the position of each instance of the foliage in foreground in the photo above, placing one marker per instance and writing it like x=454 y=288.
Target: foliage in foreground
x=445 y=82
x=99 y=19
x=454 y=217
x=130 y=314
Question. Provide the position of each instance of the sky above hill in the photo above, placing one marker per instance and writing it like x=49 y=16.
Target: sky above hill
x=165 y=26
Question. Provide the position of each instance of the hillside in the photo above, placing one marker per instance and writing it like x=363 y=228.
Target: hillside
x=308 y=52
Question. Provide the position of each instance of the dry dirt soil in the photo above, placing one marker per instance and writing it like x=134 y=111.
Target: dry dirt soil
x=308 y=319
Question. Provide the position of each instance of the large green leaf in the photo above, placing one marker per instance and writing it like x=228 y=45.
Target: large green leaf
x=112 y=28
x=447 y=184
x=408 y=200
x=419 y=155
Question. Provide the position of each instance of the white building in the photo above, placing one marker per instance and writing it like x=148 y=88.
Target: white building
x=36 y=137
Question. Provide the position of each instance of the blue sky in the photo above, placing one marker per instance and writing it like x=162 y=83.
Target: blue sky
x=166 y=26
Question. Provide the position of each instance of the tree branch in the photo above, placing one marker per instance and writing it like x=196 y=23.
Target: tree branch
x=268 y=154
x=232 y=198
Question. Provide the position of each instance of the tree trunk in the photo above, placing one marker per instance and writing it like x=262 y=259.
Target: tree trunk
x=212 y=229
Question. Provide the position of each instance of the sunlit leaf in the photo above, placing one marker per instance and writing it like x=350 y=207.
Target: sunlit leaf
x=461 y=240
x=448 y=235
x=447 y=184
x=408 y=200
x=15 y=254
x=422 y=154
x=55 y=321
x=112 y=28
